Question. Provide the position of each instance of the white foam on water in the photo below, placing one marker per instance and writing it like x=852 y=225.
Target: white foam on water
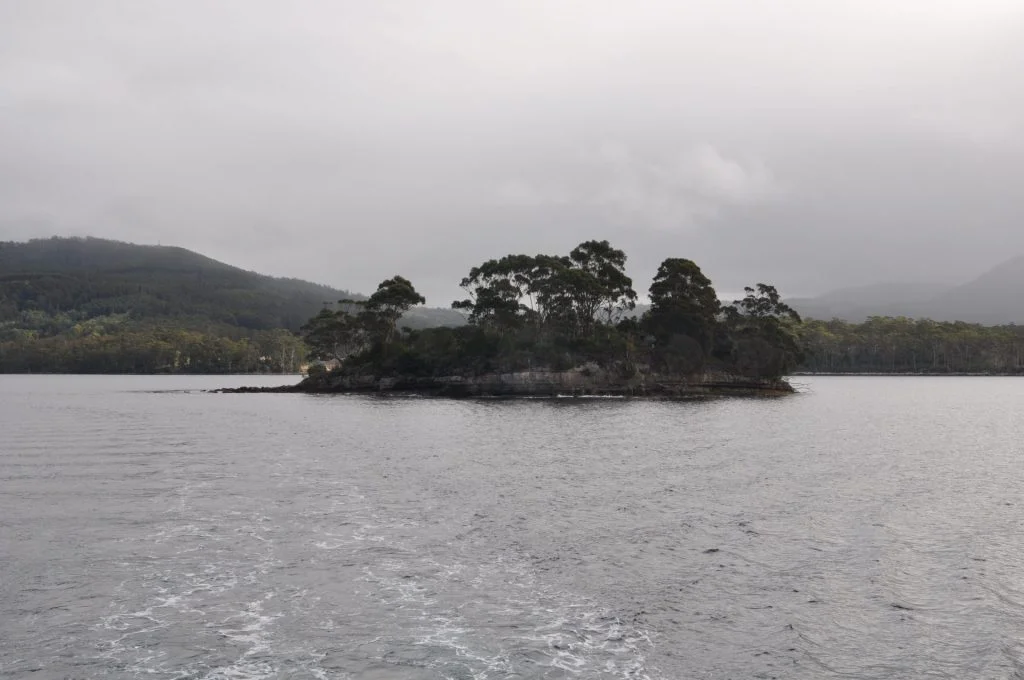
x=554 y=629
x=243 y=670
x=397 y=591
x=445 y=634
x=250 y=627
x=179 y=603
x=130 y=625
x=184 y=598
x=583 y=641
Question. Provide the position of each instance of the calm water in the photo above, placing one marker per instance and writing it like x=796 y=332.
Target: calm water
x=866 y=528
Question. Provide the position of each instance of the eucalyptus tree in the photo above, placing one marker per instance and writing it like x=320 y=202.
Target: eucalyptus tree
x=393 y=298
x=763 y=333
x=683 y=302
x=598 y=283
x=764 y=302
x=552 y=293
x=334 y=335
x=498 y=291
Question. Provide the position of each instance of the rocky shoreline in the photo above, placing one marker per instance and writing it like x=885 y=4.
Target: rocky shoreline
x=579 y=382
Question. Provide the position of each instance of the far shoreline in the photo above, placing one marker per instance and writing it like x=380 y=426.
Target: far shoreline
x=870 y=374
x=794 y=374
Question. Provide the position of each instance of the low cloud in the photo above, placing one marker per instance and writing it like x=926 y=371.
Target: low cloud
x=981 y=129
x=660 y=191
x=809 y=144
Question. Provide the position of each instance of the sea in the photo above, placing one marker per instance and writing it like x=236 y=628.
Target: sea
x=865 y=527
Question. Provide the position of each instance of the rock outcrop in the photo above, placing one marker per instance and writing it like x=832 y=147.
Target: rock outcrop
x=583 y=381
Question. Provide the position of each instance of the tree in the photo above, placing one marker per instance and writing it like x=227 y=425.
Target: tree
x=682 y=302
x=393 y=298
x=549 y=292
x=553 y=293
x=762 y=331
x=597 y=281
x=764 y=303
x=280 y=351
x=515 y=291
x=496 y=291
x=334 y=335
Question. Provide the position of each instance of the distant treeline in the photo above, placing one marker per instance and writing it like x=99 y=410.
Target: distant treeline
x=96 y=347
x=902 y=345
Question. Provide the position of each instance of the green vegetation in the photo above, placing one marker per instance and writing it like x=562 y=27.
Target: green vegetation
x=70 y=305
x=98 y=306
x=902 y=345
x=561 y=312
x=96 y=348
x=90 y=278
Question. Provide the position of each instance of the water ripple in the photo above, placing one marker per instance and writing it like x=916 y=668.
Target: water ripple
x=866 y=529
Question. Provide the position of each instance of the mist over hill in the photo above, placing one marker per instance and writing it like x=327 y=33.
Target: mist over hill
x=992 y=298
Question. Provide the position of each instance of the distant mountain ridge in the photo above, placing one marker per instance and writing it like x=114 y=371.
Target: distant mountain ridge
x=84 y=278
x=77 y=279
x=995 y=297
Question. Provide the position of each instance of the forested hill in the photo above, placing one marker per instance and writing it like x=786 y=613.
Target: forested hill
x=94 y=305
x=88 y=278
x=85 y=278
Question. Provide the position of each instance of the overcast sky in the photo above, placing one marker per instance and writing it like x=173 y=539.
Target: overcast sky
x=812 y=144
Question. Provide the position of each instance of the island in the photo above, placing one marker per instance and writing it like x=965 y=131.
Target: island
x=552 y=325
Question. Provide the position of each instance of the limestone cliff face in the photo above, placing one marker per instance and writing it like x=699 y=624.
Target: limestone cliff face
x=582 y=381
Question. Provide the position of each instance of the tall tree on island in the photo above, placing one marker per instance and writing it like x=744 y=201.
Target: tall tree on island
x=683 y=302
x=552 y=293
x=763 y=303
x=762 y=332
x=498 y=290
x=598 y=283
x=393 y=298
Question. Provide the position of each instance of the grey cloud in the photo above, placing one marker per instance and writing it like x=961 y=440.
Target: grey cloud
x=671 y=192
x=809 y=144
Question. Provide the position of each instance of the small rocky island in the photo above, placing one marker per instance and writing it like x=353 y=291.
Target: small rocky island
x=550 y=325
x=581 y=382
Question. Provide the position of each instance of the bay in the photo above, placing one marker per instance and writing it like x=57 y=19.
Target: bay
x=862 y=528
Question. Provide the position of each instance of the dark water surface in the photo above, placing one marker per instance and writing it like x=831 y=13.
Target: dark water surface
x=866 y=528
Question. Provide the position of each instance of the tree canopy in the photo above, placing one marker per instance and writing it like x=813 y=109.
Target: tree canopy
x=560 y=311
x=683 y=303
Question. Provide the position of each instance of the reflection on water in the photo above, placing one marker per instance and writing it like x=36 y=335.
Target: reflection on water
x=865 y=528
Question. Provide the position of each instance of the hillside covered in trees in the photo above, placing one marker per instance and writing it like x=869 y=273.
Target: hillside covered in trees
x=548 y=321
x=902 y=345
x=97 y=306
